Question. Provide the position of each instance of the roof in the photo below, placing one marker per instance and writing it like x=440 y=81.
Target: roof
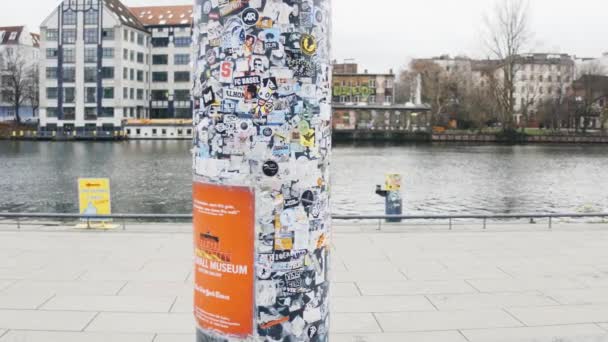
x=9 y=35
x=123 y=14
x=164 y=15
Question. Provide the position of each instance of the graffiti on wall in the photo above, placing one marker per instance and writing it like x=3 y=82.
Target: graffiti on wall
x=262 y=93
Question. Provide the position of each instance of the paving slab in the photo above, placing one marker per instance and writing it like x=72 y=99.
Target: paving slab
x=175 y=337
x=347 y=289
x=489 y=300
x=44 y=320
x=445 y=320
x=565 y=314
x=354 y=323
x=564 y=333
x=84 y=288
x=53 y=336
x=165 y=323
x=380 y=304
x=110 y=303
x=439 y=336
x=579 y=296
x=404 y=288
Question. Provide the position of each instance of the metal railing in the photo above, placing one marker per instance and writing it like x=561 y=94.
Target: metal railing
x=19 y=217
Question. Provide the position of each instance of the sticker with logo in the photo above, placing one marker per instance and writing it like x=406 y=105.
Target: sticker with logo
x=250 y=16
x=308 y=44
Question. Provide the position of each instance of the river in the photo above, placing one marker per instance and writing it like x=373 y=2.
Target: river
x=155 y=177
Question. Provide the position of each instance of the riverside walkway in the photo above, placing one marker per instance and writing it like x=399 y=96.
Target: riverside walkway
x=506 y=283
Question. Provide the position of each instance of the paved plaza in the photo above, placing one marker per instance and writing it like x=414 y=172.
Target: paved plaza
x=501 y=284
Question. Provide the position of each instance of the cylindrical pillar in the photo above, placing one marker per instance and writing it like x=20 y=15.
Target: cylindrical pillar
x=262 y=146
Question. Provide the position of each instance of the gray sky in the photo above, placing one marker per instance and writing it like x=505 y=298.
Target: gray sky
x=384 y=34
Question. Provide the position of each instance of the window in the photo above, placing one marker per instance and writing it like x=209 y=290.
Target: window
x=160 y=95
x=372 y=83
x=389 y=99
x=154 y=131
x=51 y=93
x=69 y=36
x=182 y=41
x=51 y=73
x=181 y=76
x=51 y=112
x=107 y=34
x=90 y=113
x=159 y=77
x=140 y=94
x=163 y=131
x=132 y=56
x=140 y=39
x=125 y=35
x=183 y=113
x=108 y=93
x=128 y=131
x=107 y=112
x=90 y=74
x=137 y=131
x=182 y=95
x=160 y=42
x=69 y=113
x=51 y=53
x=69 y=74
x=181 y=59
x=107 y=72
x=125 y=93
x=372 y=99
x=132 y=75
x=69 y=18
x=132 y=37
x=559 y=78
x=160 y=59
x=540 y=90
x=52 y=35
x=69 y=56
x=108 y=52
x=90 y=95
x=140 y=57
x=69 y=95
x=140 y=76
x=550 y=78
x=132 y=93
x=90 y=55
x=540 y=78
x=90 y=36
x=125 y=54
x=125 y=73
x=90 y=17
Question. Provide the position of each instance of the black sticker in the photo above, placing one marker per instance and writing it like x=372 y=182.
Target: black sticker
x=208 y=97
x=270 y=82
x=308 y=199
x=250 y=16
x=270 y=168
x=246 y=81
x=267 y=132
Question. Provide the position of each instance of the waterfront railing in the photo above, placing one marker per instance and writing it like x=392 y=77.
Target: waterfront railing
x=449 y=220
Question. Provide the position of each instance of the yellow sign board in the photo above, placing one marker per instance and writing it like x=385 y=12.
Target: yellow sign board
x=393 y=182
x=94 y=196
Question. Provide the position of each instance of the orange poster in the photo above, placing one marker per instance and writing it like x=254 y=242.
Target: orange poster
x=224 y=255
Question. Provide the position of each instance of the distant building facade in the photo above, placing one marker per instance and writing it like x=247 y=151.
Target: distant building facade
x=104 y=63
x=16 y=40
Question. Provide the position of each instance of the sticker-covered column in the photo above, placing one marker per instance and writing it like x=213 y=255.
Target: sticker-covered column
x=261 y=155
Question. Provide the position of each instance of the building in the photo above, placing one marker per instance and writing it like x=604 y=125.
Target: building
x=17 y=44
x=104 y=63
x=158 y=129
x=539 y=78
x=94 y=68
x=365 y=101
x=170 y=83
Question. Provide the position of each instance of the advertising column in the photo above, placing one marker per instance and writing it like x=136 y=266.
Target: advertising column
x=262 y=147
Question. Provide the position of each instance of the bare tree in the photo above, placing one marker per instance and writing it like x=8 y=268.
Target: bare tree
x=506 y=35
x=32 y=89
x=16 y=77
x=403 y=86
x=591 y=86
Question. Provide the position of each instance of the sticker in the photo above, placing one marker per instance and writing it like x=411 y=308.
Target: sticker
x=270 y=168
x=226 y=70
x=247 y=80
x=250 y=16
x=308 y=44
x=208 y=96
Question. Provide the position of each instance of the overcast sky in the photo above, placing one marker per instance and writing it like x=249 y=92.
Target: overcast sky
x=384 y=34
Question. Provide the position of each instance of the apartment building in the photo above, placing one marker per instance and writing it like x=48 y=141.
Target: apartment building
x=17 y=44
x=104 y=63
x=94 y=68
x=170 y=29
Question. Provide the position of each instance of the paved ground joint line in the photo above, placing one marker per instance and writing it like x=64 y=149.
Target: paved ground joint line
x=358 y=288
x=187 y=276
x=505 y=272
x=430 y=301
x=91 y=321
x=471 y=285
x=4 y=334
x=154 y=337
x=378 y=322
x=122 y=288
x=463 y=335
x=79 y=277
x=602 y=327
x=514 y=317
x=46 y=301
x=172 y=305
